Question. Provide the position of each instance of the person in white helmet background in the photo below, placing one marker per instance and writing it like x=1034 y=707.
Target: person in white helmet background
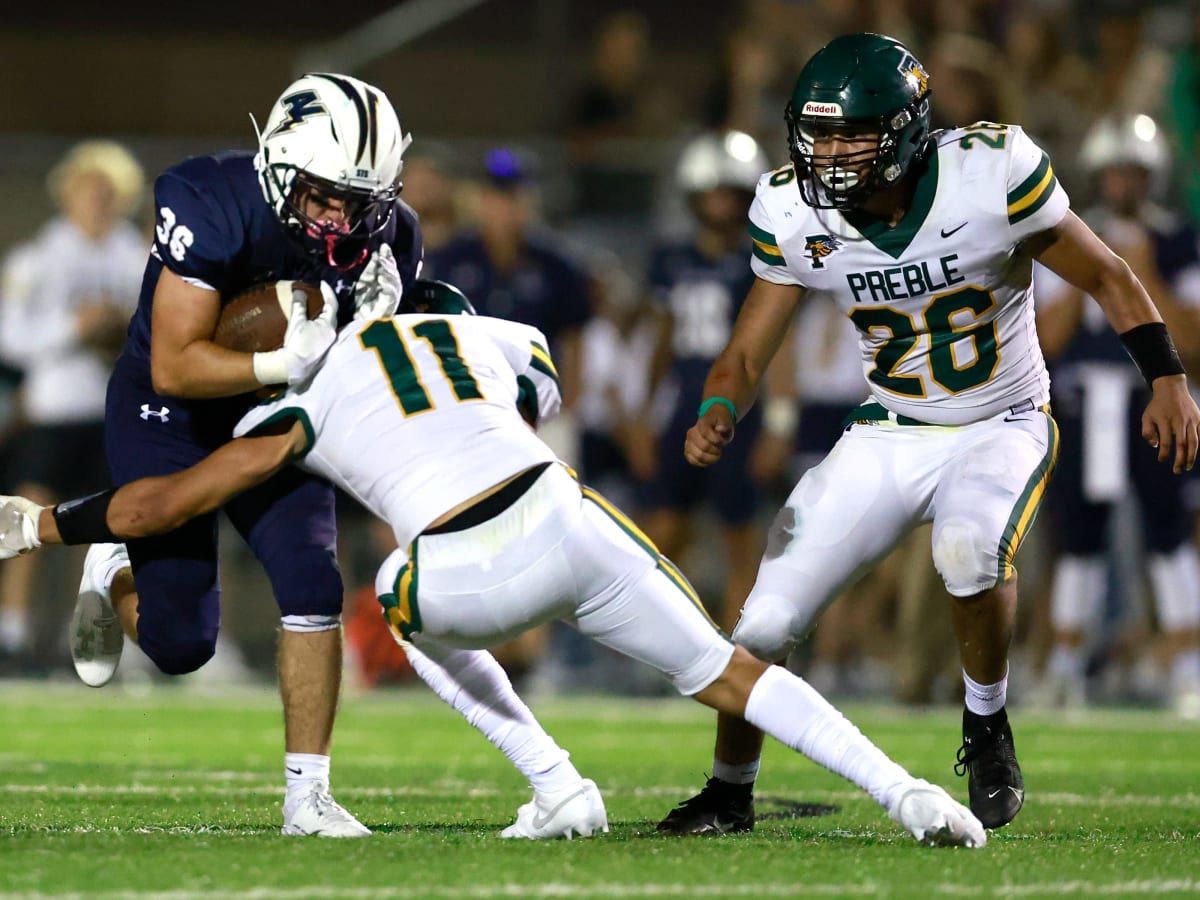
x=1097 y=394
x=319 y=203
x=696 y=285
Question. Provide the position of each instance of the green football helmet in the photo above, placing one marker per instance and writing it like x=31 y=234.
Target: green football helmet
x=435 y=298
x=857 y=84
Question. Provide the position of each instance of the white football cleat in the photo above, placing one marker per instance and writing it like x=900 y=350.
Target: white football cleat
x=575 y=810
x=96 y=635
x=935 y=818
x=313 y=811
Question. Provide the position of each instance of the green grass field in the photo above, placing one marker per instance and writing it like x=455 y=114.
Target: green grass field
x=177 y=795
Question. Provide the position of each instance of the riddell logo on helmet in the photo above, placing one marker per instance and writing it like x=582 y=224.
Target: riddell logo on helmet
x=812 y=108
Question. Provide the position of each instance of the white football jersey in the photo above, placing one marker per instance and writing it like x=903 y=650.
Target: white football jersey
x=942 y=302
x=399 y=402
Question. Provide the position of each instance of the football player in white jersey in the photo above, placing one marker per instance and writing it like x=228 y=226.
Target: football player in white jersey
x=927 y=242
x=422 y=418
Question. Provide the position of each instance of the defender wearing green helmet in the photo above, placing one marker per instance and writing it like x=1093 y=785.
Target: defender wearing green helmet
x=438 y=298
x=926 y=241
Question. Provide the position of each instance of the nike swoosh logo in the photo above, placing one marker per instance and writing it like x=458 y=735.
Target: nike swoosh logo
x=1019 y=793
x=540 y=821
x=293 y=771
x=947 y=234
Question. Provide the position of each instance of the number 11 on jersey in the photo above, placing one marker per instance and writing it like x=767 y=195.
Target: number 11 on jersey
x=384 y=338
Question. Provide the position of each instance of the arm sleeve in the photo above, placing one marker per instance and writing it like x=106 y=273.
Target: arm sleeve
x=192 y=235
x=539 y=394
x=1036 y=201
x=766 y=258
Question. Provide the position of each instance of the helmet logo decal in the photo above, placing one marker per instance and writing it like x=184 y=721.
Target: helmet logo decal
x=368 y=115
x=819 y=246
x=914 y=73
x=300 y=106
x=813 y=108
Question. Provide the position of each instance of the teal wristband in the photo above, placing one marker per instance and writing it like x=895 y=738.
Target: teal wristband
x=713 y=401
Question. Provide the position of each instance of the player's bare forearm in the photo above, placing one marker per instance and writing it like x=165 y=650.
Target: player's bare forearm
x=1078 y=256
x=156 y=505
x=184 y=362
x=757 y=336
x=202 y=370
x=738 y=371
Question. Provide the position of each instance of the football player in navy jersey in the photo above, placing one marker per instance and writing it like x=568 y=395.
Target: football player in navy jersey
x=317 y=203
x=1096 y=390
x=698 y=285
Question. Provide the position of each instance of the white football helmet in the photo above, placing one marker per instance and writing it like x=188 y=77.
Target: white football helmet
x=726 y=159
x=338 y=137
x=1127 y=140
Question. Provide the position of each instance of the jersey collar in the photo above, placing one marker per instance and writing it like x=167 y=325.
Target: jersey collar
x=894 y=241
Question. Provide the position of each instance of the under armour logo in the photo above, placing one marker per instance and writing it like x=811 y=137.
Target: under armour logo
x=160 y=414
x=342 y=286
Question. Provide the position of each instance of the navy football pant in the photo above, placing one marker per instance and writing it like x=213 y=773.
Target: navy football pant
x=288 y=522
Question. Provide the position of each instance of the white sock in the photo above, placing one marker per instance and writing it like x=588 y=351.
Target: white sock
x=14 y=629
x=474 y=684
x=1079 y=588
x=1066 y=662
x=1176 y=580
x=301 y=769
x=735 y=773
x=787 y=708
x=1185 y=670
x=985 y=699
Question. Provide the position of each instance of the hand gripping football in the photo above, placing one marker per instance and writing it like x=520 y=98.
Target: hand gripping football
x=256 y=320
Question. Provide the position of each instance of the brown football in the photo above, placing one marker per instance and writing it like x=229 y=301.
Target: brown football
x=256 y=320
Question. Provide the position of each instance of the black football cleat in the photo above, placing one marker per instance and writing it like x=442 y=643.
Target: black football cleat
x=720 y=808
x=989 y=760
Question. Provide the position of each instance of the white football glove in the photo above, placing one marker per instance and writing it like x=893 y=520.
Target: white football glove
x=377 y=293
x=305 y=342
x=18 y=526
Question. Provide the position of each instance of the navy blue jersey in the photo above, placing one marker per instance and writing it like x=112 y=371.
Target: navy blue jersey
x=703 y=296
x=547 y=289
x=215 y=229
x=1176 y=254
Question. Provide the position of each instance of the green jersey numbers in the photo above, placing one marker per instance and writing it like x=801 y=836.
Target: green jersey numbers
x=411 y=393
x=984 y=134
x=963 y=352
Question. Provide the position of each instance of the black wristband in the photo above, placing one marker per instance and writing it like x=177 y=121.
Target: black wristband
x=84 y=520
x=1153 y=351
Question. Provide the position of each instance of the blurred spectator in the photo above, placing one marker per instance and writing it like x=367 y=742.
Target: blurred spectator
x=1131 y=72
x=972 y=82
x=1054 y=81
x=66 y=299
x=698 y=286
x=619 y=99
x=431 y=190
x=1098 y=398
x=615 y=402
x=744 y=96
x=512 y=269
